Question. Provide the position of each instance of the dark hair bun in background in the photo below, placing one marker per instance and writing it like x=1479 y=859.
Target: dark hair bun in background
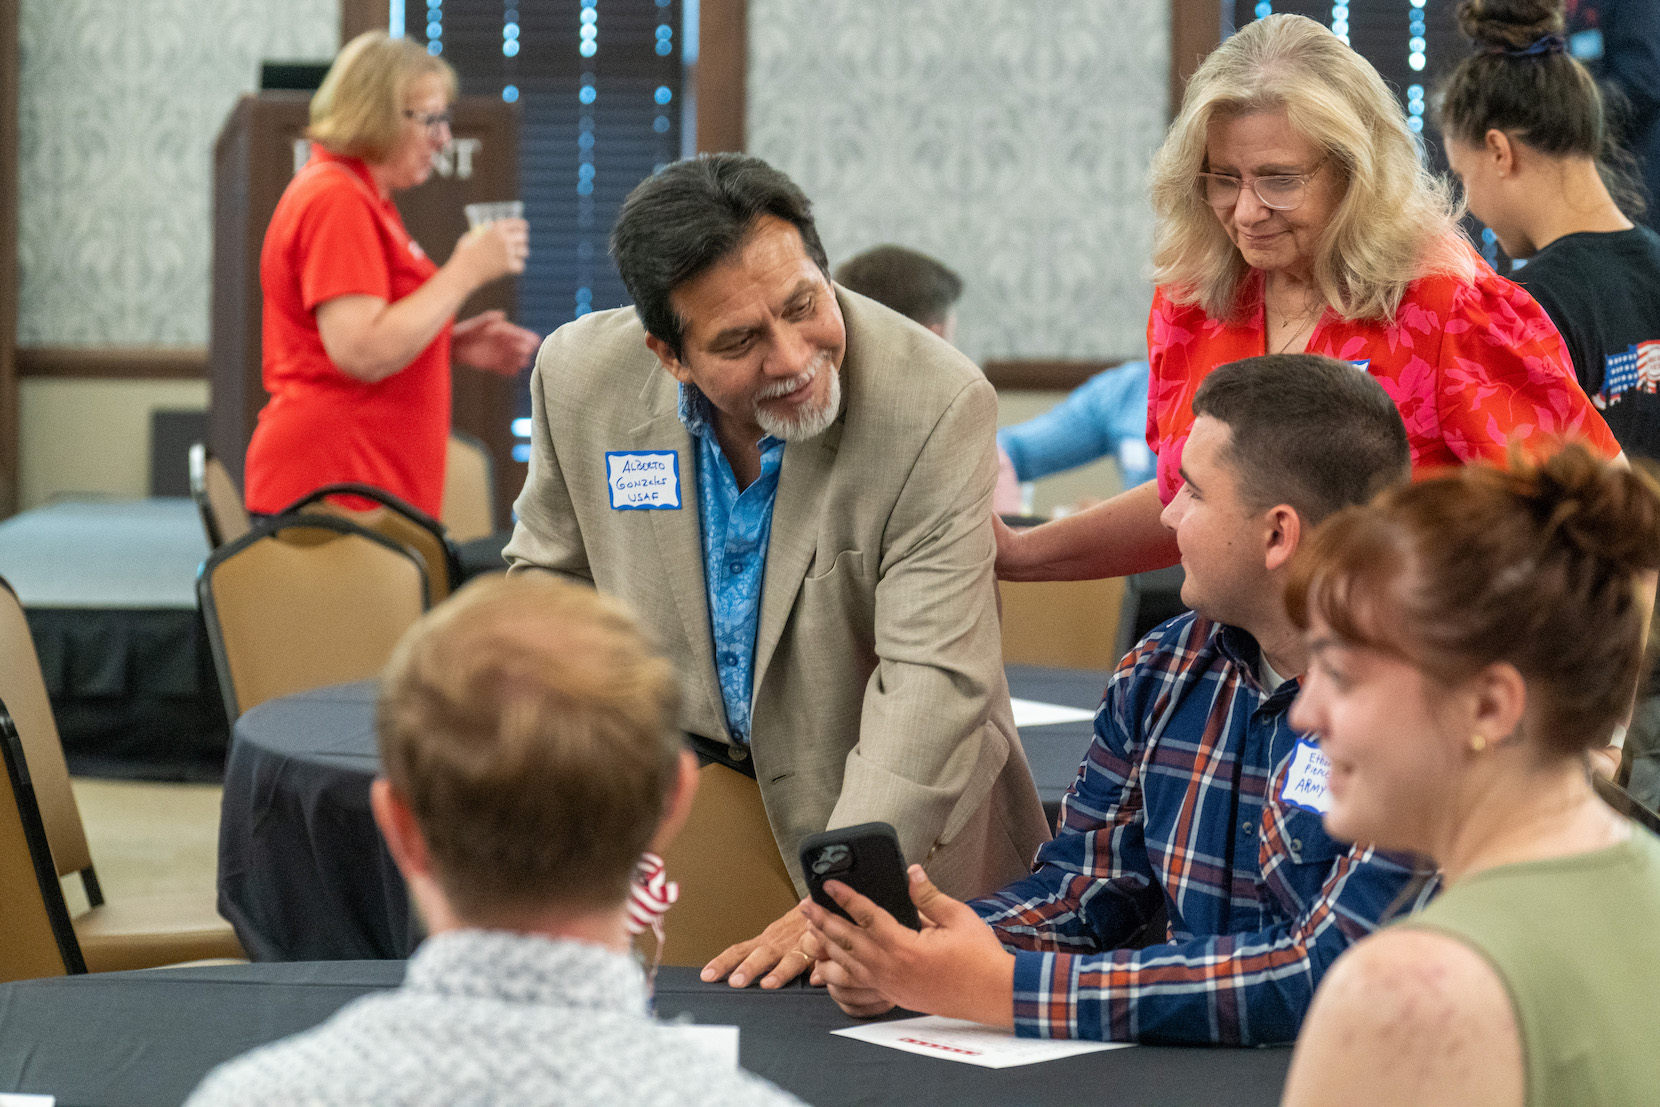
x=1510 y=24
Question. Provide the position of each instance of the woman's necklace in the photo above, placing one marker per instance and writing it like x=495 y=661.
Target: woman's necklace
x=1297 y=324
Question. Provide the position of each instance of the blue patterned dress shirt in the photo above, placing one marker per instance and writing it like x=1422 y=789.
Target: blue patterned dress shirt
x=736 y=528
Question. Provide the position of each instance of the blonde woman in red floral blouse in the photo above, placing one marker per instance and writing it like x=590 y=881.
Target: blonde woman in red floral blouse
x=1295 y=216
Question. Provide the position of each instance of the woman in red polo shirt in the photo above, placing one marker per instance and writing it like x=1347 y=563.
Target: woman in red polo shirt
x=358 y=321
x=1295 y=216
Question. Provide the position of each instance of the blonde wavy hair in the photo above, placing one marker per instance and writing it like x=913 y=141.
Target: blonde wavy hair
x=1396 y=222
x=358 y=109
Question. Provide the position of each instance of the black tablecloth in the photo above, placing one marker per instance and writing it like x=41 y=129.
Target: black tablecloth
x=109 y=592
x=303 y=873
x=142 y=1038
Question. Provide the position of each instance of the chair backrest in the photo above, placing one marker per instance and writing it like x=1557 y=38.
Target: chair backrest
x=1625 y=803
x=398 y=520
x=224 y=517
x=469 y=489
x=23 y=690
x=36 y=937
x=302 y=601
x=733 y=883
x=1070 y=623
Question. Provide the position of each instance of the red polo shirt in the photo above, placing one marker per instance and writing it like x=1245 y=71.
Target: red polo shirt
x=332 y=235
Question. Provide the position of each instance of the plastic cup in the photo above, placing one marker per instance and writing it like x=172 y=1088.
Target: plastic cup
x=482 y=215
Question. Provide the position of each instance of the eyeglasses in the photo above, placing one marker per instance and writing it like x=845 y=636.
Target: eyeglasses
x=431 y=122
x=1280 y=191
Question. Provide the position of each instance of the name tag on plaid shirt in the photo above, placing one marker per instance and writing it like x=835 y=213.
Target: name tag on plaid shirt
x=1306 y=781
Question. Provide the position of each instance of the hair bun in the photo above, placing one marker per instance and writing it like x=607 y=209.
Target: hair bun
x=1510 y=24
x=1598 y=509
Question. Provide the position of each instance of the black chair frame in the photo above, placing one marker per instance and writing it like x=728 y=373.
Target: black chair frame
x=89 y=876
x=40 y=851
x=452 y=556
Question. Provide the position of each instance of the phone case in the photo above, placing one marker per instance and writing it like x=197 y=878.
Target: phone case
x=867 y=859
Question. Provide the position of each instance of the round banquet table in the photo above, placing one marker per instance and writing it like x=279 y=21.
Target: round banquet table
x=138 y=1039
x=304 y=875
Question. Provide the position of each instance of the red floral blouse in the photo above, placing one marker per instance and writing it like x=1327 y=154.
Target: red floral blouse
x=1471 y=364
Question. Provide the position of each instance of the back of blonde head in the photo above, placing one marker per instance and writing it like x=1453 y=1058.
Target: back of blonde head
x=530 y=726
x=1395 y=223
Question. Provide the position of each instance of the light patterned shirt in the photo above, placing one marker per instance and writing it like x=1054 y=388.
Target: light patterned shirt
x=490 y=1017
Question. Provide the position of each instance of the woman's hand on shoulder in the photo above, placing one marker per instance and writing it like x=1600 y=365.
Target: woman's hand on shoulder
x=1408 y=1017
x=492 y=251
x=488 y=341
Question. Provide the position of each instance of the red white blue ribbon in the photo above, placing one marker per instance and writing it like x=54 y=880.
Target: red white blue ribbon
x=650 y=895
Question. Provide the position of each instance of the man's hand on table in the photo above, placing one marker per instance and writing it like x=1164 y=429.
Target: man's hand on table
x=777 y=952
x=954 y=966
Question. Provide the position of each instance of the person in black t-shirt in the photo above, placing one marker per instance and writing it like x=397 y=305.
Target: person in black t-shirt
x=1526 y=132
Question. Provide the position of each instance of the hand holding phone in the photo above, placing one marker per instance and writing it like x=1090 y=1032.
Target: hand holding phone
x=867 y=859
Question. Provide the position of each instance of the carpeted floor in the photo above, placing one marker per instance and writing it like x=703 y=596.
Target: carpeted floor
x=148 y=838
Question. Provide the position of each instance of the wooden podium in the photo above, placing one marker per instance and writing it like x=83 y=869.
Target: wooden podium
x=258 y=151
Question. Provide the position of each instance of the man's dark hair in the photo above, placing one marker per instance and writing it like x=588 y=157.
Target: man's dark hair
x=913 y=284
x=689 y=216
x=1309 y=431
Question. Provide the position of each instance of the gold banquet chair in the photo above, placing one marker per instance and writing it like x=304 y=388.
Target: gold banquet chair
x=38 y=938
x=303 y=601
x=733 y=882
x=135 y=933
x=469 y=489
x=393 y=518
x=1071 y=624
x=224 y=517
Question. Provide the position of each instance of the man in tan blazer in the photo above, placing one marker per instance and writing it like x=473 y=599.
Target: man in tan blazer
x=791 y=485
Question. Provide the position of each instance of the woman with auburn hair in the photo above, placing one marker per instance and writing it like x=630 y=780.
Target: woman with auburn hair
x=358 y=322
x=1294 y=215
x=1472 y=636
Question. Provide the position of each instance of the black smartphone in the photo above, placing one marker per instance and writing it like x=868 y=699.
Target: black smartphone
x=866 y=858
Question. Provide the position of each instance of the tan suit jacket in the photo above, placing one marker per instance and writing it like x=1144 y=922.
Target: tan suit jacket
x=879 y=690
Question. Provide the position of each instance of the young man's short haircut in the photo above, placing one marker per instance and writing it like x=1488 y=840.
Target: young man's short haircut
x=913 y=284
x=1309 y=431
x=530 y=727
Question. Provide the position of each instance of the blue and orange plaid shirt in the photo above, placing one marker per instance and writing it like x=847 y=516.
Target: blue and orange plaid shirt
x=1178 y=802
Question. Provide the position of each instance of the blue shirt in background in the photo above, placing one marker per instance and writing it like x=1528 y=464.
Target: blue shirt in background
x=736 y=528
x=1107 y=414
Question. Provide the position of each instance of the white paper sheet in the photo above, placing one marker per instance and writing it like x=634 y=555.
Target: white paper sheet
x=968 y=1042
x=1033 y=713
x=717 y=1042
x=20 y=1099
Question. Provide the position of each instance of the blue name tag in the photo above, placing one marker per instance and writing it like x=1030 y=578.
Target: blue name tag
x=643 y=480
x=1364 y=364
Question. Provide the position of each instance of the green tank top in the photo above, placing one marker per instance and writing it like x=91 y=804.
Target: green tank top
x=1576 y=941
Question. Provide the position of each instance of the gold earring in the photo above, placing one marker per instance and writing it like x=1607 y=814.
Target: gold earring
x=1478 y=742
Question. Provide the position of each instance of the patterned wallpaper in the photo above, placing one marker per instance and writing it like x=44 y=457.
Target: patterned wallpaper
x=1008 y=138
x=121 y=101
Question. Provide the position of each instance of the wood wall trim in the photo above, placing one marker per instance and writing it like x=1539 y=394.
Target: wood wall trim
x=10 y=62
x=722 y=74
x=1195 y=30
x=357 y=16
x=114 y=362
x=1043 y=374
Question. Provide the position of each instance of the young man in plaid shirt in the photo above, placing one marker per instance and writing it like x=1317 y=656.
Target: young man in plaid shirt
x=1196 y=796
